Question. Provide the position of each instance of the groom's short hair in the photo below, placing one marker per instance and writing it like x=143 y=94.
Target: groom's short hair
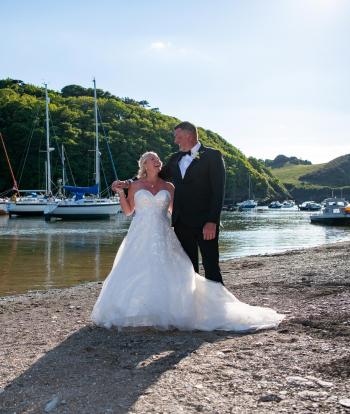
x=187 y=126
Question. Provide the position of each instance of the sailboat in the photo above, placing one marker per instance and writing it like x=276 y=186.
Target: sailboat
x=34 y=204
x=4 y=201
x=247 y=204
x=3 y=206
x=80 y=207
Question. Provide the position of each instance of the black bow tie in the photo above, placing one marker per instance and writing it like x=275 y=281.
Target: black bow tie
x=183 y=153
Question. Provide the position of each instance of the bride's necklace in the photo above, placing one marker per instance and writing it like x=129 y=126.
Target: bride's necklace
x=152 y=185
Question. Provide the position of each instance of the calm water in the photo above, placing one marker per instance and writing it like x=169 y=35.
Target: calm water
x=36 y=255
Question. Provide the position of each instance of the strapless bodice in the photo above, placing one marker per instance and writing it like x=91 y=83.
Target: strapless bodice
x=147 y=204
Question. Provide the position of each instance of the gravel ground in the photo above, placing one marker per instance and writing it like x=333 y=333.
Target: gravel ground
x=53 y=359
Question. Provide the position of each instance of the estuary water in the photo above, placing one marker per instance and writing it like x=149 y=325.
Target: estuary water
x=36 y=255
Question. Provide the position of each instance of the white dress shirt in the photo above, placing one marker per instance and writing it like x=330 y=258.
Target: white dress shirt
x=185 y=161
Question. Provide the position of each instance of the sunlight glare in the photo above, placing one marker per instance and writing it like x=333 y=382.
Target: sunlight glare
x=323 y=7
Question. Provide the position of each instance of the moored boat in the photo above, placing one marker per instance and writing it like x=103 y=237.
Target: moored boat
x=3 y=206
x=275 y=204
x=80 y=207
x=288 y=204
x=82 y=210
x=32 y=204
x=336 y=211
x=310 y=206
x=250 y=203
x=247 y=205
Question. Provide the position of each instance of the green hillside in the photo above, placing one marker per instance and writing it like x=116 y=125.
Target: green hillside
x=290 y=174
x=335 y=173
x=318 y=181
x=129 y=126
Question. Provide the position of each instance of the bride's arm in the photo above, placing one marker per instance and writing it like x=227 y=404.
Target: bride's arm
x=171 y=190
x=127 y=203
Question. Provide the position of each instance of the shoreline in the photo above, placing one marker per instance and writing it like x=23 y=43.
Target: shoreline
x=223 y=262
x=51 y=349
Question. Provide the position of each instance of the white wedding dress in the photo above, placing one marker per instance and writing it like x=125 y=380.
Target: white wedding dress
x=153 y=283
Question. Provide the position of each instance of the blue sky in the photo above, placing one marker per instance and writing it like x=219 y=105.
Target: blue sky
x=270 y=76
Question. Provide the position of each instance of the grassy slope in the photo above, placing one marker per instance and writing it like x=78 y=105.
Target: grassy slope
x=290 y=174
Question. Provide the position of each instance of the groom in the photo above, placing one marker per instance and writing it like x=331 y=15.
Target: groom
x=198 y=174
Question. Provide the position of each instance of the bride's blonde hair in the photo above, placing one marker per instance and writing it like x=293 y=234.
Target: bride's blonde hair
x=142 y=173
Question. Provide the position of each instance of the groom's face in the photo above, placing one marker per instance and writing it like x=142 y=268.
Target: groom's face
x=183 y=139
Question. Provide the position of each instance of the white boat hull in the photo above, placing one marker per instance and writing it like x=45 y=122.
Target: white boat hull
x=28 y=208
x=247 y=205
x=335 y=212
x=86 y=211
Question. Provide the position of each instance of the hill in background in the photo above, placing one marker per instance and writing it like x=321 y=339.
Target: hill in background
x=283 y=161
x=130 y=127
x=317 y=181
x=335 y=173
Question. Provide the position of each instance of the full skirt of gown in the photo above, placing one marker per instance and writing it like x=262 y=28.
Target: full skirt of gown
x=152 y=282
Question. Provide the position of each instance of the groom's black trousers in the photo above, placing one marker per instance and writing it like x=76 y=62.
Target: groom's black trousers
x=192 y=238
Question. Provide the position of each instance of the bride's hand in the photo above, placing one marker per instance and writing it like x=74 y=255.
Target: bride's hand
x=119 y=185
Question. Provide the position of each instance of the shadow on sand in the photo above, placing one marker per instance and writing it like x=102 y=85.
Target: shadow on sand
x=101 y=371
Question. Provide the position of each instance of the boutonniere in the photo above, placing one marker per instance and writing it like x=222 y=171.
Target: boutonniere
x=196 y=156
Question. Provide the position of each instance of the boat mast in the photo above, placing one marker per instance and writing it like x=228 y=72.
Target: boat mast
x=249 y=190
x=15 y=186
x=64 y=179
x=97 y=151
x=48 y=168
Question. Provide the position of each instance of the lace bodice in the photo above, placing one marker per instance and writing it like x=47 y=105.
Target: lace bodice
x=147 y=204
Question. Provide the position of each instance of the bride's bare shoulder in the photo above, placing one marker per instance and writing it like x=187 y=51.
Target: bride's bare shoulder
x=136 y=185
x=169 y=186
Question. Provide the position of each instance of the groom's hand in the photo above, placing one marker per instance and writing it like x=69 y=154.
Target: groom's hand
x=118 y=185
x=209 y=231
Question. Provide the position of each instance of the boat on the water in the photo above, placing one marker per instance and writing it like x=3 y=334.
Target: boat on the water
x=250 y=203
x=247 y=205
x=81 y=207
x=3 y=206
x=336 y=211
x=30 y=205
x=288 y=204
x=87 y=202
x=34 y=202
x=275 y=205
x=4 y=201
x=310 y=206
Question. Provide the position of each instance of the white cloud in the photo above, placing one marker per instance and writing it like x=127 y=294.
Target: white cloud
x=160 y=45
x=170 y=51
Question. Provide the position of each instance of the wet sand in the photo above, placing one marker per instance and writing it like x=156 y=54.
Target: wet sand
x=52 y=355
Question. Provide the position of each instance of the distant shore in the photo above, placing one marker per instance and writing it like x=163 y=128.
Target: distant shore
x=51 y=352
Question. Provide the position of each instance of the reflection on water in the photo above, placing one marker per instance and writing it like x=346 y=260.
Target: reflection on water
x=36 y=255
x=39 y=255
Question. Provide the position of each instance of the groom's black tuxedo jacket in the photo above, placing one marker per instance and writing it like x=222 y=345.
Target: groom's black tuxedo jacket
x=199 y=195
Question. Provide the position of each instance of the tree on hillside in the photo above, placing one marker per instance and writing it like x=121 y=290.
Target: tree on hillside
x=132 y=128
x=281 y=161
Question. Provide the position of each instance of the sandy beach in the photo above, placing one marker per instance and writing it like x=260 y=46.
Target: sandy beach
x=53 y=359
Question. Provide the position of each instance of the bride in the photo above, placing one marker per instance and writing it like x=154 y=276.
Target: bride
x=152 y=281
